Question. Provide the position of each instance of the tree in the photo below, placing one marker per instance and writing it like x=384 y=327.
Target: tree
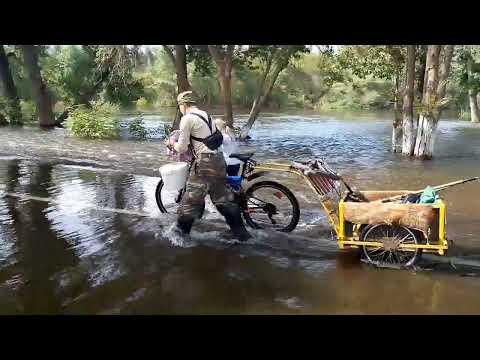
x=39 y=89
x=178 y=56
x=8 y=90
x=408 y=128
x=470 y=77
x=381 y=62
x=81 y=74
x=223 y=58
x=472 y=92
x=436 y=74
x=274 y=58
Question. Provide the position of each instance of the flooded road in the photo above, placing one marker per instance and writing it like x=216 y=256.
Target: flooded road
x=80 y=232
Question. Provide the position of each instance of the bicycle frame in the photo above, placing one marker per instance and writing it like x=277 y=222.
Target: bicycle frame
x=262 y=169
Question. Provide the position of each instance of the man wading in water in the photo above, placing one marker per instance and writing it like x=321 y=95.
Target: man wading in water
x=208 y=174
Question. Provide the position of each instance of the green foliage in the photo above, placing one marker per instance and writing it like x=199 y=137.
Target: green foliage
x=97 y=122
x=199 y=57
x=10 y=111
x=355 y=77
x=19 y=75
x=70 y=72
x=142 y=104
x=79 y=74
x=126 y=94
x=378 y=61
x=309 y=78
x=464 y=54
x=29 y=111
x=137 y=128
x=460 y=81
x=244 y=86
x=159 y=81
x=358 y=94
x=207 y=88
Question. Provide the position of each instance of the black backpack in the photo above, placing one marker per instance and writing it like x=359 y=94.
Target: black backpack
x=212 y=141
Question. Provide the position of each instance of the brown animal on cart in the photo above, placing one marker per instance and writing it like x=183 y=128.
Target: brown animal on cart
x=422 y=217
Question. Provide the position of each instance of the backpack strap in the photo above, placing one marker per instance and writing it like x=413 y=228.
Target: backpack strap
x=209 y=122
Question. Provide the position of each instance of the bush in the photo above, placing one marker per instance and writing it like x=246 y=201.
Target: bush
x=142 y=104
x=137 y=128
x=9 y=112
x=97 y=122
x=465 y=115
x=357 y=95
x=29 y=110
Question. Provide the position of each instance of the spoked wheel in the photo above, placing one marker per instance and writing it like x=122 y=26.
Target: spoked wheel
x=270 y=205
x=391 y=238
x=168 y=201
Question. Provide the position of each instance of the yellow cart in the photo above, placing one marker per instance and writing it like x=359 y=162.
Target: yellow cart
x=388 y=230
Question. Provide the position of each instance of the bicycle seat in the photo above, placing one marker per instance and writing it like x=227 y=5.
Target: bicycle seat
x=242 y=157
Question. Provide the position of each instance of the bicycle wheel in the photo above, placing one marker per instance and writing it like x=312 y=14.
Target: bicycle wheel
x=389 y=252
x=270 y=205
x=167 y=201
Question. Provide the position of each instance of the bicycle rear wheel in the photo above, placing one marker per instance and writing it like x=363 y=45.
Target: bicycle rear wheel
x=270 y=205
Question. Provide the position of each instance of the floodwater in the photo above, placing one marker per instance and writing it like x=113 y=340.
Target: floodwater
x=80 y=232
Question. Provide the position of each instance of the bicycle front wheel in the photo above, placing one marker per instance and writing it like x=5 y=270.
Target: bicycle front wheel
x=167 y=201
x=270 y=205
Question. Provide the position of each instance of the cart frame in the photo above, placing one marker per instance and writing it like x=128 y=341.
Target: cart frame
x=335 y=216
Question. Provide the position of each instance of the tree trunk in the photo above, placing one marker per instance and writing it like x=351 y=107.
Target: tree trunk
x=427 y=122
x=427 y=126
x=224 y=73
x=179 y=60
x=226 y=93
x=408 y=128
x=474 y=110
x=254 y=111
x=397 y=121
x=263 y=94
x=8 y=89
x=421 y=77
x=258 y=102
x=39 y=89
x=436 y=76
x=443 y=72
x=182 y=76
x=181 y=68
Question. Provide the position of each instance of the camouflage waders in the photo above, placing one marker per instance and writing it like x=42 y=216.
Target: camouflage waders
x=208 y=177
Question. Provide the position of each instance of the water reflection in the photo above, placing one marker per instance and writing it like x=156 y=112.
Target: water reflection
x=41 y=252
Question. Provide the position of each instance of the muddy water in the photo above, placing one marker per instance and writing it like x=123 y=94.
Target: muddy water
x=80 y=232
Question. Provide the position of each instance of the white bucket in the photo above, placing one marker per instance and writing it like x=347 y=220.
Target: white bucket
x=174 y=175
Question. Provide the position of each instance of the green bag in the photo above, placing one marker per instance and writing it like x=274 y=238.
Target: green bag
x=429 y=196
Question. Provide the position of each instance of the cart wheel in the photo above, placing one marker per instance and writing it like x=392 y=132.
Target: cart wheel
x=389 y=252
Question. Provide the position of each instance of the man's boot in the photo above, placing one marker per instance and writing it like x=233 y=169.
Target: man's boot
x=184 y=225
x=234 y=220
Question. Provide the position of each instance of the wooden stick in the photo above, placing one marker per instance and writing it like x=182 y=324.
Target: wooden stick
x=436 y=188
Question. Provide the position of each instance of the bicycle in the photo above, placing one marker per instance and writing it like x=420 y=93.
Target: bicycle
x=258 y=212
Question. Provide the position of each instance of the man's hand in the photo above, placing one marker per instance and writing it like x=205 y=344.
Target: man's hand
x=169 y=143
